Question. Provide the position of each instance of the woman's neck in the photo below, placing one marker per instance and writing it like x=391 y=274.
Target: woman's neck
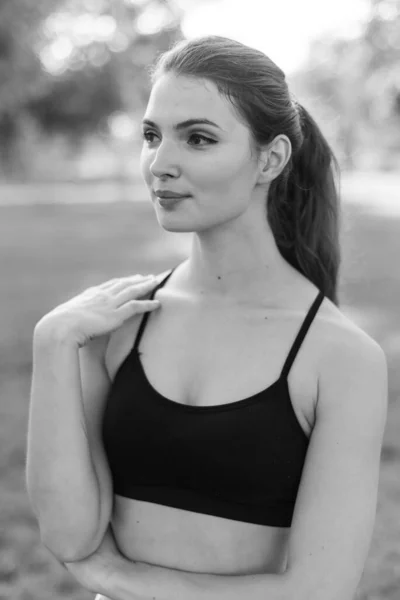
x=236 y=271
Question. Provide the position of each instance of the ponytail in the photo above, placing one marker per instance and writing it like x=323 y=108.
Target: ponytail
x=303 y=209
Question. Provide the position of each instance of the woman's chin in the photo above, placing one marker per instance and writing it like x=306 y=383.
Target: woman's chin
x=176 y=227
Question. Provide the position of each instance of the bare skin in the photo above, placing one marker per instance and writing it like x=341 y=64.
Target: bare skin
x=186 y=362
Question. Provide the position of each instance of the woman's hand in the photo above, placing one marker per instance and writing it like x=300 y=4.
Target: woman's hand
x=94 y=571
x=98 y=310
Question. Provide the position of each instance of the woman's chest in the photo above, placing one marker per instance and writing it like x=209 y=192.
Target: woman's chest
x=214 y=358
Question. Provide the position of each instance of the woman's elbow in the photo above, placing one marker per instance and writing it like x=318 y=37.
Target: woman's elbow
x=71 y=547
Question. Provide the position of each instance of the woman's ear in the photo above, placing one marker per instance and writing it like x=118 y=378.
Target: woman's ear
x=274 y=158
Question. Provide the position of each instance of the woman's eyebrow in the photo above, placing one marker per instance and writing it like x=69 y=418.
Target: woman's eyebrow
x=184 y=124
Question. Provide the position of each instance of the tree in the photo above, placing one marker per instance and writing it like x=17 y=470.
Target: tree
x=21 y=73
x=355 y=83
x=98 y=72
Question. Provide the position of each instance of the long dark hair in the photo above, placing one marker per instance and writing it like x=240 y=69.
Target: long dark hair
x=302 y=206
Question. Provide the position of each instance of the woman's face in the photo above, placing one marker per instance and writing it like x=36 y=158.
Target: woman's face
x=211 y=163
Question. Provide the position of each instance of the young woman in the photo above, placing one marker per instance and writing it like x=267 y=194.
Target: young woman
x=231 y=436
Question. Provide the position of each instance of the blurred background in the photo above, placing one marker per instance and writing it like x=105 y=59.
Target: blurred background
x=74 y=211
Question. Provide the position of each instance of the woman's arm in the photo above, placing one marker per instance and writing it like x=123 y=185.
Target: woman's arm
x=109 y=573
x=67 y=476
x=335 y=508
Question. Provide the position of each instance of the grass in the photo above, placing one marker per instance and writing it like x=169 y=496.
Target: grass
x=50 y=252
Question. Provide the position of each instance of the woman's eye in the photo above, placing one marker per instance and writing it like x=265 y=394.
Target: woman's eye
x=146 y=135
x=198 y=136
x=195 y=138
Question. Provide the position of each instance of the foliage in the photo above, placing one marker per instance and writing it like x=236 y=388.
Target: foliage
x=21 y=73
x=68 y=64
x=102 y=70
x=357 y=81
x=76 y=103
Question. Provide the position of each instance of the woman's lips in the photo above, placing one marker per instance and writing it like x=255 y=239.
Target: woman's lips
x=167 y=202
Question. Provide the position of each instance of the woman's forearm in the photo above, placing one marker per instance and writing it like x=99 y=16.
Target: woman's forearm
x=60 y=476
x=110 y=574
x=142 y=581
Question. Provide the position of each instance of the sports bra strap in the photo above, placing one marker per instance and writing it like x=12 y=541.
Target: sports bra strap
x=301 y=334
x=295 y=346
x=146 y=314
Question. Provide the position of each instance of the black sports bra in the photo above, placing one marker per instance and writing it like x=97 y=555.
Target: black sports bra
x=241 y=461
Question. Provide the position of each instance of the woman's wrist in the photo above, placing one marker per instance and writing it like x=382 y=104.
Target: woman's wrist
x=116 y=579
x=127 y=580
x=48 y=334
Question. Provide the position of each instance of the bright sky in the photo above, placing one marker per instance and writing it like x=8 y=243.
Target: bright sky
x=282 y=29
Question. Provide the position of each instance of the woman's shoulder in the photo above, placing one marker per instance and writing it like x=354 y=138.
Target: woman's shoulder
x=343 y=325
x=343 y=336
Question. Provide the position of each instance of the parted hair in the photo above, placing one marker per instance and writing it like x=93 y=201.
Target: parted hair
x=303 y=201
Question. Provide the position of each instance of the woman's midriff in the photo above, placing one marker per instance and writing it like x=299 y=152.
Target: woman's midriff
x=189 y=541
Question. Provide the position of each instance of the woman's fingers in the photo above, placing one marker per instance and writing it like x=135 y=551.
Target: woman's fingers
x=133 y=291
x=114 y=285
x=133 y=307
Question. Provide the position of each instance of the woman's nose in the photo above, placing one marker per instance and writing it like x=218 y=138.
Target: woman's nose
x=165 y=161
